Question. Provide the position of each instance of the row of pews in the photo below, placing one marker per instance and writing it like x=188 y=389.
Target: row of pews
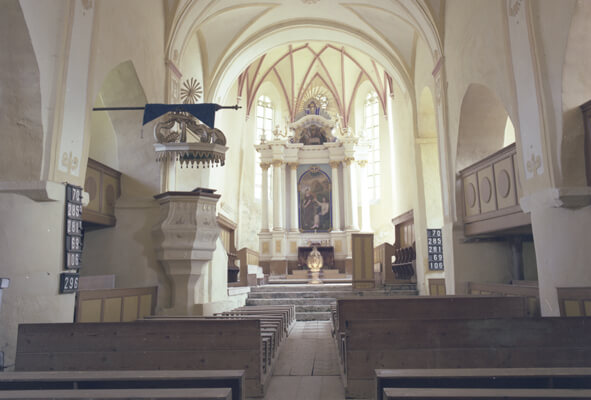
x=226 y=356
x=468 y=347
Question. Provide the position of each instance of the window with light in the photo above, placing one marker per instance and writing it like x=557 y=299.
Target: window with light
x=264 y=123
x=371 y=117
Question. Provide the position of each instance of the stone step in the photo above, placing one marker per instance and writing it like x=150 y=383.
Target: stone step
x=301 y=288
x=297 y=302
x=313 y=316
x=333 y=294
x=296 y=295
x=313 y=308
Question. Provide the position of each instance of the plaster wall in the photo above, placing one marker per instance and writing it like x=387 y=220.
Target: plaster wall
x=569 y=61
x=47 y=22
x=31 y=245
x=476 y=51
x=125 y=73
x=23 y=141
x=103 y=138
x=141 y=24
x=566 y=265
x=190 y=63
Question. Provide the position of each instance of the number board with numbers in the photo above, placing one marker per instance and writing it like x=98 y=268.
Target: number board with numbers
x=69 y=282
x=435 y=249
x=74 y=239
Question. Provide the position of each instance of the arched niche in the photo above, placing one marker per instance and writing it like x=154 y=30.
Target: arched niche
x=576 y=90
x=429 y=149
x=22 y=150
x=483 y=119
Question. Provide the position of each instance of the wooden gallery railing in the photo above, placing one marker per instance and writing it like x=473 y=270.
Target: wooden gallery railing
x=115 y=305
x=490 y=193
x=574 y=301
x=103 y=185
x=530 y=292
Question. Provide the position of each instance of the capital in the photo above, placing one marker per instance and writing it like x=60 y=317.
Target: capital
x=264 y=166
x=293 y=165
x=334 y=164
x=362 y=163
x=277 y=163
x=349 y=160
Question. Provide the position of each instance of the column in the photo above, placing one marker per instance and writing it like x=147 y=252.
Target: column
x=294 y=197
x=265 y=198
x=365 y=215
x=276 y=195
x=283 y=197
x=354 y=195
x=347 y=192
x=336 y=209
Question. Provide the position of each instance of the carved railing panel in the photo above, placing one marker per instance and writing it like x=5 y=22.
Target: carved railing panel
x=490 y=193
x=103 y=185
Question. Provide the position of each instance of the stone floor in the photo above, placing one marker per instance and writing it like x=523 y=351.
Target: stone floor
x=307 y=367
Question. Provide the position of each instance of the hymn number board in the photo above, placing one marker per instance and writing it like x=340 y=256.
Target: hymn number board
x=74 y=239
x=435 y=249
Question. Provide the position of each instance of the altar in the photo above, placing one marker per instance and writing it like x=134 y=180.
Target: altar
x=314 y=202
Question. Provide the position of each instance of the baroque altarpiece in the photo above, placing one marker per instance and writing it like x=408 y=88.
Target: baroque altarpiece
x=313 y=201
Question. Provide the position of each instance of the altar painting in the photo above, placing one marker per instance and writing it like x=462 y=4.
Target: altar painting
x=314 y=198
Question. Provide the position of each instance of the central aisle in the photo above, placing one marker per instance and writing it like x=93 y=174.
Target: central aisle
x=307 y=367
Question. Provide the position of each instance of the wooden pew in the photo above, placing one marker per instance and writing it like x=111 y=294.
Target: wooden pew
x=486 y=394
x=120 y=394
x=424 y=307
x=150 y=345
x=52 y=380
x=525 y=378
x=269 y=332
x=462 y=343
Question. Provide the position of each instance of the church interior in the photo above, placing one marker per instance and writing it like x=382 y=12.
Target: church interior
x=323 y=195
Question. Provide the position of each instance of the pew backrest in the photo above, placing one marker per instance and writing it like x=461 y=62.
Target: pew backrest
x=150 y=345
x=427 y=307
x=162 y=379
x=462 y=343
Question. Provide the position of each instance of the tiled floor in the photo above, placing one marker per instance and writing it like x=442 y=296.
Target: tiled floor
x=307 y=367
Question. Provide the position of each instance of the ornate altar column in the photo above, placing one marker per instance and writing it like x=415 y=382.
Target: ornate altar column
x=276 y=195
x=283 y=197
x=265 y=198
x=347 y=192
x=365 y=215
x=336 y=210
x=294 y=197
x=354 y=195
x=183 y=253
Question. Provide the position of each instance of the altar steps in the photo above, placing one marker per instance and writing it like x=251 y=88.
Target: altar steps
x=313 y=302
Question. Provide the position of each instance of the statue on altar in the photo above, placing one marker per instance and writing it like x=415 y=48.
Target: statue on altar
x=315 y=262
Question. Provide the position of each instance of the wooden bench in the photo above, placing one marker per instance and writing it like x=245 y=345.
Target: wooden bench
x=462 y=343
x=427 y=307
x=46 y=380
x=525 y=378
x=404 y=307
x=146 y=344
x=269 y=332
x=121 y=394
x=486 y=394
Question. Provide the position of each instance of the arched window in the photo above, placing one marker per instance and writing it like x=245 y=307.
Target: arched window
x=371 y=118
x=264 y=120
